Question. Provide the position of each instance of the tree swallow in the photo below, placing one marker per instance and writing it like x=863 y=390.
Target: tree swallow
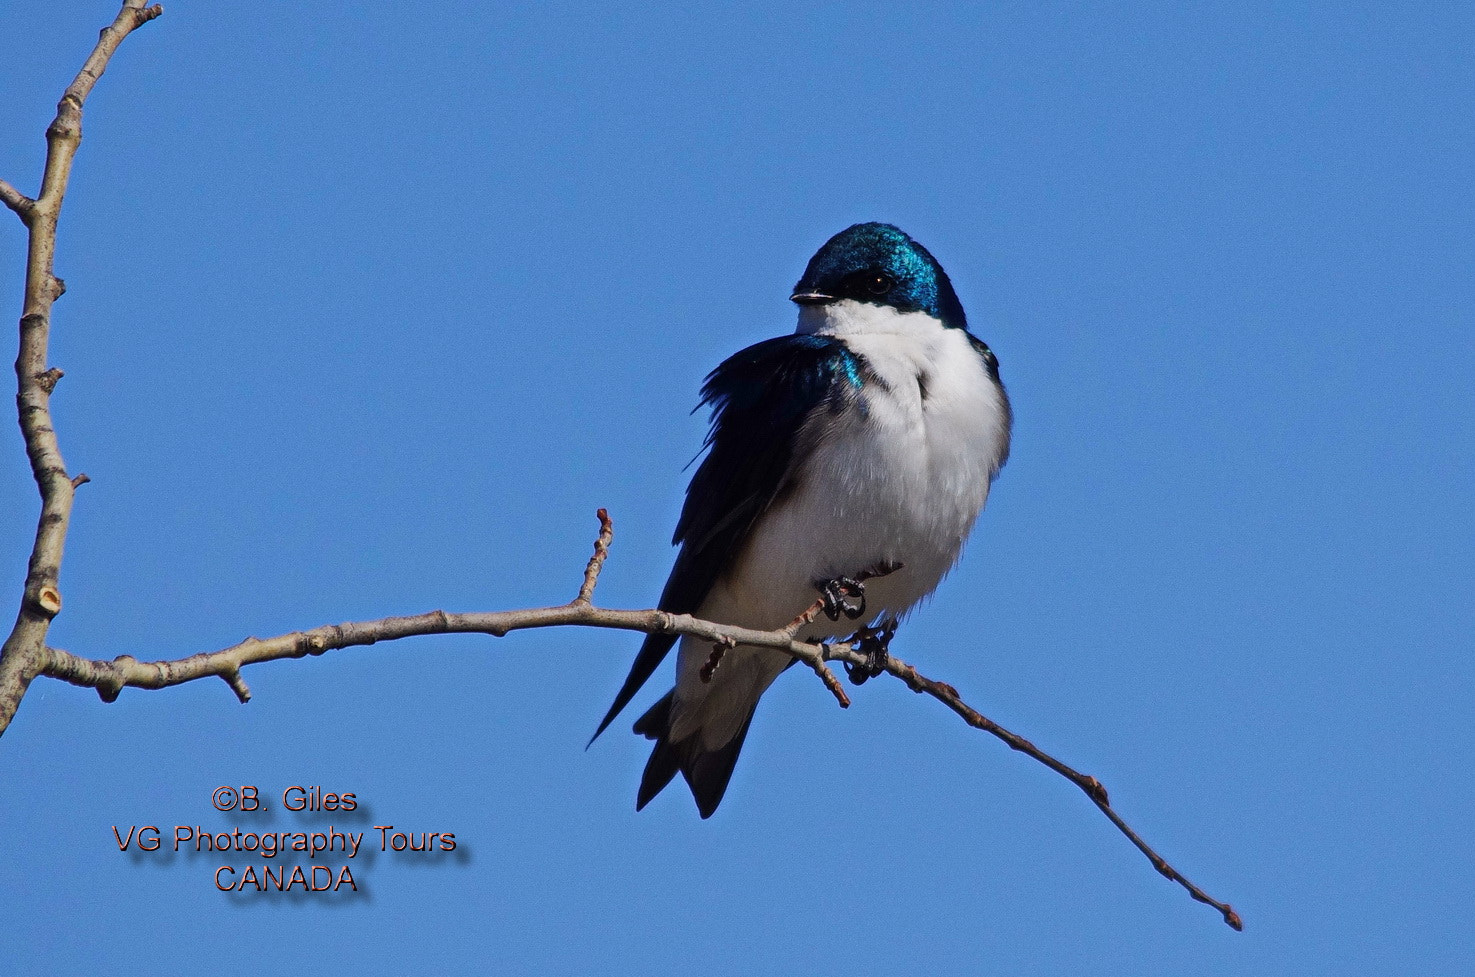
x=865 y=442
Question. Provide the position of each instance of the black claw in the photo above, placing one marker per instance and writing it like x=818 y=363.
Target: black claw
x=873 y=643
x=843 y=595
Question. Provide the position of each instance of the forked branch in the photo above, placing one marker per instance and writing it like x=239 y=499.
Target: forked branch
x=24 y=651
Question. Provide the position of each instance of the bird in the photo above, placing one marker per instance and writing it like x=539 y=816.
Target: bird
x=862 y=445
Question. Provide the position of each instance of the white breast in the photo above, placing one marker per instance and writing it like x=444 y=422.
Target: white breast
x=899 y=480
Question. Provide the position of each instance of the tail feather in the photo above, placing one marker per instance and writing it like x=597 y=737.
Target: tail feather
x=657 y=718
x=707 y=772
x=663 y=762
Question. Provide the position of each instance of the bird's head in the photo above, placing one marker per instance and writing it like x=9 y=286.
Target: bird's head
x=880 y=265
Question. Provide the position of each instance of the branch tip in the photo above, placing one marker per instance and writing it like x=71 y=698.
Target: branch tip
x=713 y=660
x=47 y=381
x=810 y=613
x=596 y=562
x=49 y=600
x=833 y=684
x=237 y=684
x=23 y=206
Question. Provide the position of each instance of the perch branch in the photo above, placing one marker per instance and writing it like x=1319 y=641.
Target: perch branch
x=109 y=678
x=24 y=651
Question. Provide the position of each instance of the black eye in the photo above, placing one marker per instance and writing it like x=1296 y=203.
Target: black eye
x=870 y=283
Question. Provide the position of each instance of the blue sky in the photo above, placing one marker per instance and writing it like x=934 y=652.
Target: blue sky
x=370 y=308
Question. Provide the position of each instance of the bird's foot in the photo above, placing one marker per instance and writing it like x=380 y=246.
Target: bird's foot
x=873 y=643
x=842 y=595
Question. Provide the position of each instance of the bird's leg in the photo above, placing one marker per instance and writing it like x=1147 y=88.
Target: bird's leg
x=842 y=595
x=873 y=643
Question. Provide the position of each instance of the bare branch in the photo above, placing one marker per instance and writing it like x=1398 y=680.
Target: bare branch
x=24 y=652
x=111 y=677
x=1092 y=787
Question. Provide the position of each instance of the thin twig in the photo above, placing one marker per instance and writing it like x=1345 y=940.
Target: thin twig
x=828 y=677
x=1092 y=787
x=596 y=562
x=709 y=667
x=16 y=201
x=811 y=613
x=818 y=665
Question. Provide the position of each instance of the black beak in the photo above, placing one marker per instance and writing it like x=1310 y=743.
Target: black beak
x=811 y=298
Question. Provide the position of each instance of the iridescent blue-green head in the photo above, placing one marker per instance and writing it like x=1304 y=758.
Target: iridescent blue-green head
x=881 y=265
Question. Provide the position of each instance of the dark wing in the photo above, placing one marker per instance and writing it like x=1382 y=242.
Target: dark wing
x=760 y=399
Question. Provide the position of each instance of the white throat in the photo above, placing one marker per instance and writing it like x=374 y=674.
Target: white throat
x=848 y=319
